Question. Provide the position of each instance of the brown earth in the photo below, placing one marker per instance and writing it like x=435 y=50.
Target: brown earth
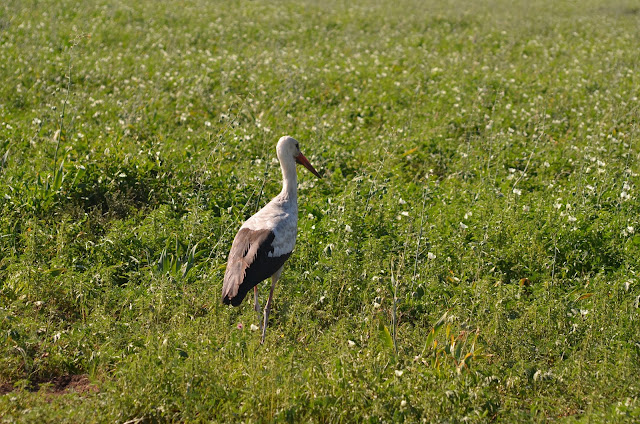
x=57 y=385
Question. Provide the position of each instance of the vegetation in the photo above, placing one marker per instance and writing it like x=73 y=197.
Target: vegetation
x=470 y=255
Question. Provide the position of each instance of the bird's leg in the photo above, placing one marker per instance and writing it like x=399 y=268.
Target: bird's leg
x=267 y=308
x=256 y=303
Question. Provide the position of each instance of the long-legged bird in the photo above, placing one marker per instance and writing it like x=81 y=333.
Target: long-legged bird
x=265 y=241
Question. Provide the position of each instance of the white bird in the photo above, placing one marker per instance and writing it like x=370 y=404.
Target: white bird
x=265 y=241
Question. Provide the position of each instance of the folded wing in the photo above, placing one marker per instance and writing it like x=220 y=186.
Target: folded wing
x=250 y=263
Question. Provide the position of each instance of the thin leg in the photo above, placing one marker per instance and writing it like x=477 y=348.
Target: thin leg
x=267 y=308
x=256 y=303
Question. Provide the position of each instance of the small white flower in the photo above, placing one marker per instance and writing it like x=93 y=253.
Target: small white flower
x=254 y=327
x=630 y=229
x=351 y=343
x=517 y=191
x=431 y=256
x=402 y=201
x=525 y=208
x=572 y=218
x=463 y=226
x=468 y=214
x=207 y=123
x=403 y=403
x=399 y=373
x=404 y=213
x=537 y=375
x=348 y=229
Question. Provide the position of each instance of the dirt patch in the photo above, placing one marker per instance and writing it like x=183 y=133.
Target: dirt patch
x=76 y=383
x=5 y=388
x=58 y=385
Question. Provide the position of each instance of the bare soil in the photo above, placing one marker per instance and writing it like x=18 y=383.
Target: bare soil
x=57 y=385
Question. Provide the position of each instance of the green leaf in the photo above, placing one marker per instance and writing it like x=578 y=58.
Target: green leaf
x=54 y=272
x=58 y=177
x=385 y=337
x=440 y=323
x=429 y=343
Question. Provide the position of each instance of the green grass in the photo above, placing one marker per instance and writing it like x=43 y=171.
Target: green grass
x=470 y=255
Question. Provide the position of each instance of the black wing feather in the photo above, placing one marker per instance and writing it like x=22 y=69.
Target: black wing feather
x=249 y=263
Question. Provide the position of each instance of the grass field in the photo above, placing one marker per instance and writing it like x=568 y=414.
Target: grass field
x=471 y=253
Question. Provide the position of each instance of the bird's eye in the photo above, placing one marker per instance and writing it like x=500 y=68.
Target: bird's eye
x=297 y=146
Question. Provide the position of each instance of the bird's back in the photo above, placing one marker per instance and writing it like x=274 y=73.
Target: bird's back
x=263 y=244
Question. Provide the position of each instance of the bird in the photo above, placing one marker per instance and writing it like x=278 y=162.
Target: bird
x=266 y=240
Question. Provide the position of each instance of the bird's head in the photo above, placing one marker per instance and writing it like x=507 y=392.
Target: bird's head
x=288 y=147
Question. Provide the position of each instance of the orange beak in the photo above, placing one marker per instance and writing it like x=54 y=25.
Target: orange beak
x=303 y=161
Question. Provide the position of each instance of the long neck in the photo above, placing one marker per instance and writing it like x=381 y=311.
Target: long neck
x=289 y=180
